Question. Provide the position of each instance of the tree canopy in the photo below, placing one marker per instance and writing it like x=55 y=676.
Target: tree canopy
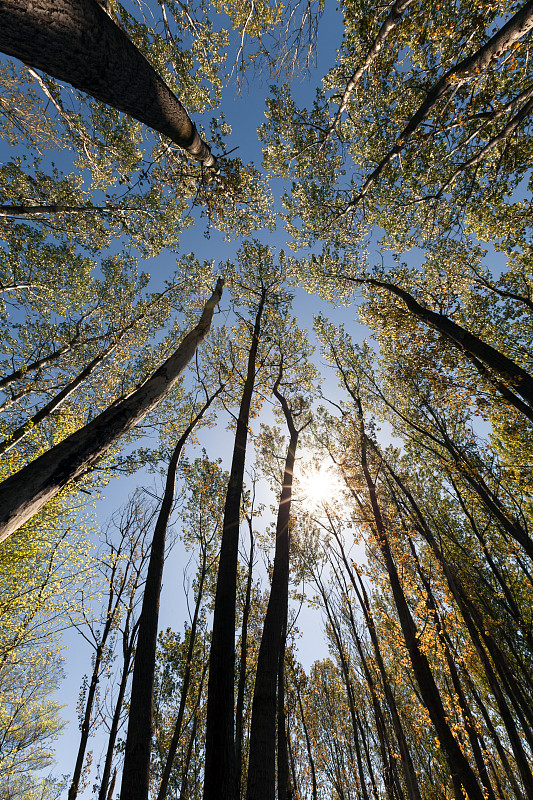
x=321 y=587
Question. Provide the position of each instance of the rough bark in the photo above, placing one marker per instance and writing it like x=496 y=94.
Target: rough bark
x=219 y=780
x=24 y=494
x=77 y=42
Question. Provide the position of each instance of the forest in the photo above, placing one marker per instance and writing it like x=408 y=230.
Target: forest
x=266 y=378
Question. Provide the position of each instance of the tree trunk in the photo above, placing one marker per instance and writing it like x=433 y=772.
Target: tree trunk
x=241 y=687
x=24 y=494
x=185 y=686
x=463 y=777
x=77 y=42
x=219 y=780
x=262 y=754
x=479 y=351
x=136 y=771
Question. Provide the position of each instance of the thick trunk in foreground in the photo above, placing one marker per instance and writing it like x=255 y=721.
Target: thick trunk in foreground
x=262 y=756
x=77 y=42
x=26 y=492
x=220 y=769
x=136 y=771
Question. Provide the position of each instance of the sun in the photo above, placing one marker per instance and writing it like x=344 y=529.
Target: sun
x=319 y=486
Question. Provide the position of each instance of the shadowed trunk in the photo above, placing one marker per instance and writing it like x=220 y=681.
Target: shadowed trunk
x=220 y=770
x=136 y=771
x=262 y=754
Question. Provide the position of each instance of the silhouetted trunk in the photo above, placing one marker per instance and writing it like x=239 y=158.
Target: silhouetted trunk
x=243 y=671
x=312 y=768
x=24 y=494
x=220 y=771
x=283 y=753
x=127 y=652
x=405 y=753
x=77 y=42
x=136 y=770
x=262 y=754
x=172 y=750
x=461 y=772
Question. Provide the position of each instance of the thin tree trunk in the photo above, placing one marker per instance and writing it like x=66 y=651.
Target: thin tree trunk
x=262 y=754
x=77 y=42
x=241 y=687
x=405 y=753
x=24 y=494
x=172 y=750
x=220 y=771
x=127 y=654
x=136 y=770
x=314 y=786
x=56 y=402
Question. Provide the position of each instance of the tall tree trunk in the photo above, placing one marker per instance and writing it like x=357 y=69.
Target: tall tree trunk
x=262 y=754
x=77 y=42
x=219 y=780
x=243 y=671
x=405 y=753
x=464 y=779
x=136 y=770
x=172 y=750
x=127 y=652
x=24 y=494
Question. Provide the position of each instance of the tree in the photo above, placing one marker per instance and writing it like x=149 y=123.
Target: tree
x=28 y=490
x=266 y=698
x=136 y=770
x=80 y=43
x=261 y=284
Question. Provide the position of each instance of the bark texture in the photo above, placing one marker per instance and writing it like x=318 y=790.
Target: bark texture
x=77 y=42
x=24 y=494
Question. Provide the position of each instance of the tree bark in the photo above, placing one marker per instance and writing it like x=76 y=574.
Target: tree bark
x=77 y=42
x=24 y=494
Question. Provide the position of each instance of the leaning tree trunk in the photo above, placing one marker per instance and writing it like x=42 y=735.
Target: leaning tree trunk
x=77 y=42
x=262 y=756
x=26 y=492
